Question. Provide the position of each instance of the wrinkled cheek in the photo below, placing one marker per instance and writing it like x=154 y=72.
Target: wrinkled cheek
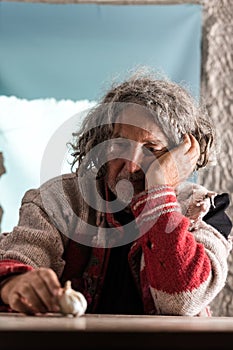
x=112 y=186
x=111 y=178
x=114 y=169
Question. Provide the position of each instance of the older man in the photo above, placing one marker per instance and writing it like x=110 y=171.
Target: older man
x=127 y=229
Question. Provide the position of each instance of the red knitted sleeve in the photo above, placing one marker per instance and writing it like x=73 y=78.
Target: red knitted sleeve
x=175 y=262
x=11 y=267
x=176 y=266
x=7 y=268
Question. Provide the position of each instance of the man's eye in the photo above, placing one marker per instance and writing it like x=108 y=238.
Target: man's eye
x=155 y=151
x=118 y=145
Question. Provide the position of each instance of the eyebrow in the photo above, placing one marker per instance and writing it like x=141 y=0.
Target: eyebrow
x=151 y=141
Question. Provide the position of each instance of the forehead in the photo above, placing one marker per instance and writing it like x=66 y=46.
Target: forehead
x=136 y=122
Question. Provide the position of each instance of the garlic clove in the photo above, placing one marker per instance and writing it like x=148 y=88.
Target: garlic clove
x=71 y=301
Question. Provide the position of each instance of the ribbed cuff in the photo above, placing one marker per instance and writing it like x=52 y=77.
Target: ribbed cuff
x=150 y=205
x=10 y=267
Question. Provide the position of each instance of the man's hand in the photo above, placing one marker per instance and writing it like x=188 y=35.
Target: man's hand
x=175 y=166
x=32 y=292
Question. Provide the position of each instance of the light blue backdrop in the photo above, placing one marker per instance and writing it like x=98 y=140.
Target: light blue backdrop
x=73 y=52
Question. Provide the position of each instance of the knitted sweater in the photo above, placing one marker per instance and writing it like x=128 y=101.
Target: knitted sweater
x=178 y=261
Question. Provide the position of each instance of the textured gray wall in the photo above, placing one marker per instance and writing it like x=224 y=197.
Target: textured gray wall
x=217 y=91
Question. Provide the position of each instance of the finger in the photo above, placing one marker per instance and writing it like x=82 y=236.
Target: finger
x=29 y=308
x=21 y=304
x=186 y=144
x=182 y=167
x=32 y=300
x=195 y=147
x=43 y=297
x=189 y=148
x=182 y=148
x=194 y=152
x=192 y=141
x=50 y=279
x=189 y=143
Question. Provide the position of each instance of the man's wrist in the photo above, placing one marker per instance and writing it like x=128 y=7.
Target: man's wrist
x=154 y=196
x=150 y=205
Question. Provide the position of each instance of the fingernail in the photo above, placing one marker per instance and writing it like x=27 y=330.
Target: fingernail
x=57 y=292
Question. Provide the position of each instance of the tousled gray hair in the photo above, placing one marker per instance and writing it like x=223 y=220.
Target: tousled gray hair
x=173 y=108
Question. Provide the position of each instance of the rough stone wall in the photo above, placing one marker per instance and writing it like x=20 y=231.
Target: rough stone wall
x=217 y=90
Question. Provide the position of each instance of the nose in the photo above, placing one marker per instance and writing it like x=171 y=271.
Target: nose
x=131 y=167
x=134 y=160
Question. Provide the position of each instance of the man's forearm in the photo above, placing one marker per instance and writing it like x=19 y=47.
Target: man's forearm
x=184 y=273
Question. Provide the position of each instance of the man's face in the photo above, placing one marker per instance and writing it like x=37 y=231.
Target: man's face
x=134 y=148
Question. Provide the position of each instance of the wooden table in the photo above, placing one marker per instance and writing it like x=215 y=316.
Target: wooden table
x=18 y=331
